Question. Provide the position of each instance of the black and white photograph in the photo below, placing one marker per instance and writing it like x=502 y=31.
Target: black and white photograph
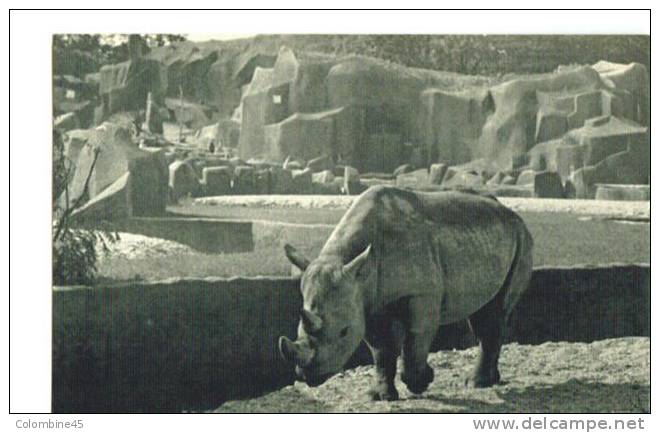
x=343 y=222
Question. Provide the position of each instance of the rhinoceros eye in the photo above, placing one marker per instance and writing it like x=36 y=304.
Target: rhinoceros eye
x=343 y=332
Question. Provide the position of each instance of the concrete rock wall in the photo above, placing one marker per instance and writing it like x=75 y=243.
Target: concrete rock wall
x=389 y=111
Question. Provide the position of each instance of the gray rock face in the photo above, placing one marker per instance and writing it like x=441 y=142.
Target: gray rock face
x=216 y=180
x=183 y=180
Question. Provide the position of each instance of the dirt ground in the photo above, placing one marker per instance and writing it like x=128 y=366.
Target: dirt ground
x=604 y=376
x=133 y=246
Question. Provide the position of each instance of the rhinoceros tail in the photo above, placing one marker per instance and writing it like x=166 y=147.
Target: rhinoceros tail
x=520 y=274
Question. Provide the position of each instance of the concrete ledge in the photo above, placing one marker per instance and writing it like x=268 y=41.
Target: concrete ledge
x=190 y=344
x=209 y=235
x=623 y=192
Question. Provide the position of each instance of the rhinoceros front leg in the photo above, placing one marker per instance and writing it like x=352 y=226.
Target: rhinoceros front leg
x=383 y=341
x=422 y=323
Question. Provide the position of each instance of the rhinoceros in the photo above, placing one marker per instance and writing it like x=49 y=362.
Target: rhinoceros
x=399 y=264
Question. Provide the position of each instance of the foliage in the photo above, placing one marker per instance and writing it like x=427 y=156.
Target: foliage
x=75 y=254
x=80 y=54
x=74 y=249
x=486 y=54
x=466 y=54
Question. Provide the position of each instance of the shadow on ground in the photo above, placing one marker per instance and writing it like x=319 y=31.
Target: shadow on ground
x=573 y=396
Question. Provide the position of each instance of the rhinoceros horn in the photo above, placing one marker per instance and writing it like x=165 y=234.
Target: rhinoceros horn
x=354 y=266
x=311 y=322
x=295 y=352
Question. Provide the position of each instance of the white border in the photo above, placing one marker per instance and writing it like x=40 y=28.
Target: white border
x=29 y=142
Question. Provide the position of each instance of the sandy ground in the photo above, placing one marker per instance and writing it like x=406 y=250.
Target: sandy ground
x=133 y=246
x=604 y=376
x=616 y=209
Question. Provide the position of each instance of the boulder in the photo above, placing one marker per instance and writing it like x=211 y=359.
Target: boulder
x=550 y=124
x=281 y=181
x=623 y=192
x=437 y=173
x=496 y=179
x=66 y=122
x=197 y=163
x=125 y=86
x=110 y=205
x=216 y=180
x=351 y=174
x=217 y=162
x=170 y=157
x=244 y=180
x=463 y=179
x=547 y=184
x=223 y=134
x=190 y=114
x=515 y=124
x=413 y=179
x=374 y=181
x=148 y=183
x=183 y=181
x=290 y=164
x=508 y=177
x=322 y=163
x=508 y=180
x=633 y=79
x=402 y=169
x=325 y=176
x=351 y=180
x=338 y=171
x=153 y=120
x=377 y=175
x=525 y=191
x=544 y=156
x=258 y=163
x=302 y=181
x=620 y=168
x=526 y=177
x=606 y=136
x=117 y=155
x=327 y=188
x=263 y=181
x=301 y=135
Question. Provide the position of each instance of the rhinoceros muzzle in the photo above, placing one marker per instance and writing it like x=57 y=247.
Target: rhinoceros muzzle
x=312 y=379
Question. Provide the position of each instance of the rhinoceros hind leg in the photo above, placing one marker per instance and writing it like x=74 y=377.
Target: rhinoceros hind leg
x=487 y=324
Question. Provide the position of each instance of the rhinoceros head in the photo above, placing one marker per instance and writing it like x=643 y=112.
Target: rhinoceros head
x=332 y=319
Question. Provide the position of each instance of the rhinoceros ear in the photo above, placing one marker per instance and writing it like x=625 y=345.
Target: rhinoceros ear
x=355 y=265
x=295 y=257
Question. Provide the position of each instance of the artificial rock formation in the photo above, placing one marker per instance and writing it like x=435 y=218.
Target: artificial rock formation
x=370 y=113
x=120 y=170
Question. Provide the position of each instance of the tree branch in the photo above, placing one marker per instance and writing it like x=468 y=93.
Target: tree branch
x=69 y=209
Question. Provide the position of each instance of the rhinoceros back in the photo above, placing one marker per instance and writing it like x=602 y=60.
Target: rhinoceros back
x=455 y=248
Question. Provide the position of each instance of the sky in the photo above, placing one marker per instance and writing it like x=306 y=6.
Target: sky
x=198 y=37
